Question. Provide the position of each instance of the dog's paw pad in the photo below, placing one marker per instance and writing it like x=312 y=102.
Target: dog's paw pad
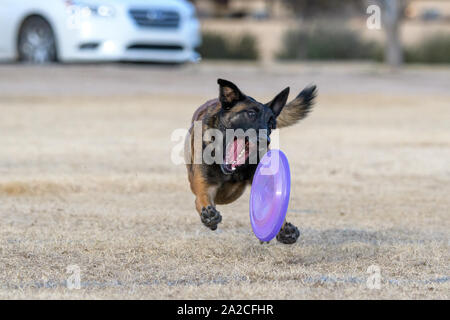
x=289 y=234
x=211 y=217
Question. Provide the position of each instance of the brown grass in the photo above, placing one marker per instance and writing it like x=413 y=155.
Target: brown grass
x=87 y=180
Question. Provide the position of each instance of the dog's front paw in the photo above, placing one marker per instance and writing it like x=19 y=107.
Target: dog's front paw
x=211 y=217
x=289 y=234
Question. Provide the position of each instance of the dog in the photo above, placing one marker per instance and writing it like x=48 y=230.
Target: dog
x=222 y=183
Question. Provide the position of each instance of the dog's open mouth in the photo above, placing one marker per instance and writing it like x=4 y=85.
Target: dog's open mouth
x=236 y=154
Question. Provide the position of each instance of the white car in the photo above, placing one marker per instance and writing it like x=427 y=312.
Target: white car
x=99 y=30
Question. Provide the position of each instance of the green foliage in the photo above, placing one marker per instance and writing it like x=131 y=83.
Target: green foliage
x=434 y=49
x=327 y=44
x=219 y=46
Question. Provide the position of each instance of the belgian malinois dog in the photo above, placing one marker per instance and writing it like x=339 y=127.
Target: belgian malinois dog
x=224 y=182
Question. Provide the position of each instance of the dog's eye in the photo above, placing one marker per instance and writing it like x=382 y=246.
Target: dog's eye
x=251 y=114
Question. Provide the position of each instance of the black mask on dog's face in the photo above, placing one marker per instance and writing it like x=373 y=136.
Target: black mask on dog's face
x=239 y=111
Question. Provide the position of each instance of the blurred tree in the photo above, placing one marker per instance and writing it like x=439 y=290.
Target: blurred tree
x=269 y=7
x=392 y=13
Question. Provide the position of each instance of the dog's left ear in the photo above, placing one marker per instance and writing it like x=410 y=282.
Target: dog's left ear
x=229 y=94
x=278 y=103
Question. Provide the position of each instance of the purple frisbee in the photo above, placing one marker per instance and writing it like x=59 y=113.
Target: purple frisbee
x=269 y=196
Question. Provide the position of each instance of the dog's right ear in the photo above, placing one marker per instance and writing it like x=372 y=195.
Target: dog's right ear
x=229 y=94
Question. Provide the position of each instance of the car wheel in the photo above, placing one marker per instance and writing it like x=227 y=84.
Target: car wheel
x=36 y=41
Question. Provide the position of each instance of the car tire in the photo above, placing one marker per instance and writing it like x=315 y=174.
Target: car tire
x=36 y=43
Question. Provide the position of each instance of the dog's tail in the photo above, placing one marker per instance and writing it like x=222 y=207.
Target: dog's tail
x=298 y=108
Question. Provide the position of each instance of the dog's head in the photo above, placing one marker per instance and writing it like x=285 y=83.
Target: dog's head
x=255 y=119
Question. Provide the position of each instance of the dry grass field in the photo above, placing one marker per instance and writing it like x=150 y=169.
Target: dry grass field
x=269 y=33
x=86 y=179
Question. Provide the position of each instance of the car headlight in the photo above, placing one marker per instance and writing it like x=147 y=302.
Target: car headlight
x=86 y=9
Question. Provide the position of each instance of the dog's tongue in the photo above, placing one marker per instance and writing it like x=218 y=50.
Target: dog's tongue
x=235 y=153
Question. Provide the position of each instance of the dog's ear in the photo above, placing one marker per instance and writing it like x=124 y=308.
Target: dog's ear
x=229 y=94
x=278 y=103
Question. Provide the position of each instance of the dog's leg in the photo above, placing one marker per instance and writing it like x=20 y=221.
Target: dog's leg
x=204 y=202
x=288 y=233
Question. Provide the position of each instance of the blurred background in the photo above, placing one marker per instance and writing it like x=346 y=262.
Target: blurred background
x=92 y=91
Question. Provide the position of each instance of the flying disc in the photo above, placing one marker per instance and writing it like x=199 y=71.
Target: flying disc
x=269 y=195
